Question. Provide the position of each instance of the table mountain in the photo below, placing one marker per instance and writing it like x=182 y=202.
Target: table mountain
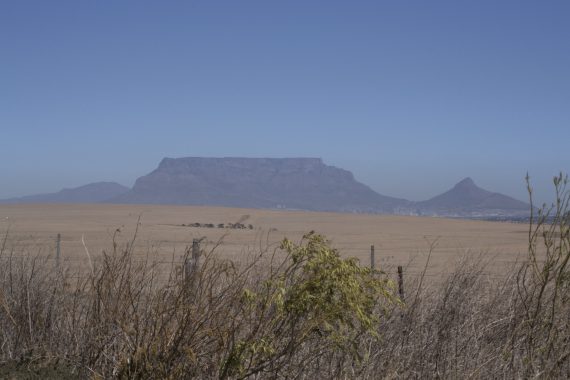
x=288 y=183
x=282 y=183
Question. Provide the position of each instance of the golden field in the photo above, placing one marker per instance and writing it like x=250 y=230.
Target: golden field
x=399 y=240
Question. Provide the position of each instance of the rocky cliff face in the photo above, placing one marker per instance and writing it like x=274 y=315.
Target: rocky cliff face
x=288 y=183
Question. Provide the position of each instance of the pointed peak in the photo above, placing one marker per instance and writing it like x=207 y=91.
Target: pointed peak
x=466 y=182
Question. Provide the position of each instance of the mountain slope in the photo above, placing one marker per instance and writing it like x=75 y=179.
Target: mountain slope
x=91 y=193
x=467 y=198
x=290 y=183
x=282 y=183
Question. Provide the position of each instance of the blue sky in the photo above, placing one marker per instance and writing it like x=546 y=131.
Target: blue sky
x=411 y=96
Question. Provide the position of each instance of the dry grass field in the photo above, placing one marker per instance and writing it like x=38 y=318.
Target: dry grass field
x=494 y=304
x=399 y=240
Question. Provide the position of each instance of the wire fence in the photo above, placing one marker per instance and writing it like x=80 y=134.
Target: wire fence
x=173 y=261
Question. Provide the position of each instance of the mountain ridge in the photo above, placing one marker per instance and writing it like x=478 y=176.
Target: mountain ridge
x=303 y=183
x=94 y=192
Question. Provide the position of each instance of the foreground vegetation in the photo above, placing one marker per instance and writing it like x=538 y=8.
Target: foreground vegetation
x=299 y=310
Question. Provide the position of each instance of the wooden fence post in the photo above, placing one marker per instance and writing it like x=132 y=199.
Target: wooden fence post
x=191 y=265
x=401 y=282
x=196 y=253
x=372 y=258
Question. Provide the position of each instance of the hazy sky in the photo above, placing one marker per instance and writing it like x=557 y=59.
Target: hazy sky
x=411 y=96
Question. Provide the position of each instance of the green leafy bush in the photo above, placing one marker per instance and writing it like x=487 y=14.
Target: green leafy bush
x=314 y=302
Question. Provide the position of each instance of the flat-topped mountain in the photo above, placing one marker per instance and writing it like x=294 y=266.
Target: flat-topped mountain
x=279 y=183
x=91 y=193
x=288 y=183
x=467 y=199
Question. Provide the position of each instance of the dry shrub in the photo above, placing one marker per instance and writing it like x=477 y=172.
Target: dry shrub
x=286 y=311
x=477 y=326
x=295 y=311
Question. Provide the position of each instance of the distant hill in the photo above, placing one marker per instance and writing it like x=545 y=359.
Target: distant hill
x=280 y=183
x=91 y=193
x=288 y=183
x=467 y=199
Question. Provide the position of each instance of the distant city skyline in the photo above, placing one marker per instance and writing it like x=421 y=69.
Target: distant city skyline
x=411 y=97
